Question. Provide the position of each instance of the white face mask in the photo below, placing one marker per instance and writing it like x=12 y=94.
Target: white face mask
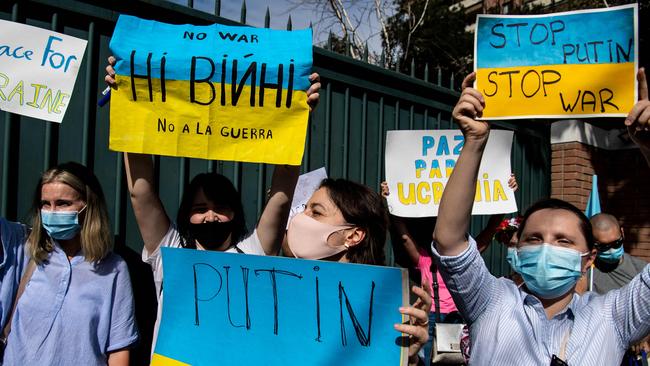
x=308 y=238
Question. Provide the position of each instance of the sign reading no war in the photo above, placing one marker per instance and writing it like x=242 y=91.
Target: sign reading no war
x=38 y=69
x=419 y=164
x=579 y=64
x=212 y=92
x=236 y=309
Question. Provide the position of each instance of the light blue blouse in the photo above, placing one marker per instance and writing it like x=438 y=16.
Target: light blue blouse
x=73 y=313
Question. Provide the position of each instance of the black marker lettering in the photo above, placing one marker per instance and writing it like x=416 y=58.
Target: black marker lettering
x=532 y=31
x=606 y=101
x=620 y=51
x=363 y=337
x=498 y=34
x=272 y=273
x=523 y=79
x=264 y=85
x=517 y=26
x=138 y=76
x=546 y=81
x=194 y=80
x=554 y=30
x=290 y=85
x=509 y=73
x=196 y=290
x=237 y=87
x=568 y=107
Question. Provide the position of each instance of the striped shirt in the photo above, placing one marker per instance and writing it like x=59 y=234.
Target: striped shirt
x=508 y=326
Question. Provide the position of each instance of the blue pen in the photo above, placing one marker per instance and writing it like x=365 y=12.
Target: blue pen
x=106 y=96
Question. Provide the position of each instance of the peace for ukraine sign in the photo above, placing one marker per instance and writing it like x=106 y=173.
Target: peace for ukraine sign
x=38 y=69
x=211 y=92
x=579 y=64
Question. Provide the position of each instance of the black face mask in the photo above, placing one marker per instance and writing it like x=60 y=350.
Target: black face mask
x=211 y=235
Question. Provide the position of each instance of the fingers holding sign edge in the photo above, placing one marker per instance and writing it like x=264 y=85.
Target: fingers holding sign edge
x=313 y=96
x=110 y=73
x=637 y=118
x=643 y=84
x=468 y=82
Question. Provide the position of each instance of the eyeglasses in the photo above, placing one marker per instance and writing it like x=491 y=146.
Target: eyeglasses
x=603 y=247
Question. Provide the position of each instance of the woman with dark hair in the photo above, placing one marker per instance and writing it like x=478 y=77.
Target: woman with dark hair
x=346 y=222
x=77 y=306
x=343 y=221
x=543 y=321
x=210 y=216
x=211 y=235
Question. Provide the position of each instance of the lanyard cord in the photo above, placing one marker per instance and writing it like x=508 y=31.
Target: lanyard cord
x=436 y=297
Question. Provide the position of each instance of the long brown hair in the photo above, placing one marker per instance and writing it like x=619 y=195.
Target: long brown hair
x=365 y=209
x=95 y=235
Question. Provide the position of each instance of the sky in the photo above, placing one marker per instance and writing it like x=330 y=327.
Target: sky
x=302 y=12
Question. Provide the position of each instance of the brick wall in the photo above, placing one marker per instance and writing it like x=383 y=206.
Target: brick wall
x=623 y=185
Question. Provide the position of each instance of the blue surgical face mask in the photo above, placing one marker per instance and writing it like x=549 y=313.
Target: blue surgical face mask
x=612 y=255
x=511 y=257
x=549 y=271
x=61 y=225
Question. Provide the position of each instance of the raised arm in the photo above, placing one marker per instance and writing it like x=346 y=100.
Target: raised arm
x=455 y=209
x=638 y=120
x=150 y=214
x=470 y=283
x=631 y=308
x=272 y=224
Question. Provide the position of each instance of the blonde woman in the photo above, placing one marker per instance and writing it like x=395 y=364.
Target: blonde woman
x=77 y=308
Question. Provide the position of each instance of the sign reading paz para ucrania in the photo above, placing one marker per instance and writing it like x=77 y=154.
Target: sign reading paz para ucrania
x=38 y=69
x=236 y=309
x=419 y=164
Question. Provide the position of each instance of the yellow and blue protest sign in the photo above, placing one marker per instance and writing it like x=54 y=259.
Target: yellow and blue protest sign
x=211 y=92
x=236 y=309
x=577 y=64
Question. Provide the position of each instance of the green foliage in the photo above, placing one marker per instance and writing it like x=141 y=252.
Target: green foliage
x=442 y=38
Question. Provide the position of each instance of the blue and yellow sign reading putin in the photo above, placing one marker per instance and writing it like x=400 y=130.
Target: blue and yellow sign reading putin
x=237 y=309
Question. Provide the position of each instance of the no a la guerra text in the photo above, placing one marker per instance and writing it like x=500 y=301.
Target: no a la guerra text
x=198 y=128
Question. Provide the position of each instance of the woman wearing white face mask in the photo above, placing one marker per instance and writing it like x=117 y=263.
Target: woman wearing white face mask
x=77 y=307
x=346 y=222
x=543 y=321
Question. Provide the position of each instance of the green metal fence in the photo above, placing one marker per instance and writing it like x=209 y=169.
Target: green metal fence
x=359 y=103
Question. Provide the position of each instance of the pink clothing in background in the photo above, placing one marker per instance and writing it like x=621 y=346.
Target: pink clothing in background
x=446 y=302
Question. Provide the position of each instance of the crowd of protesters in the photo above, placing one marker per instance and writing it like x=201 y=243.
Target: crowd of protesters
x=66 y=298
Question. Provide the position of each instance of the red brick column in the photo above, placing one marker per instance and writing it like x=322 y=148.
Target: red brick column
x=623 y=185
x=571 y=172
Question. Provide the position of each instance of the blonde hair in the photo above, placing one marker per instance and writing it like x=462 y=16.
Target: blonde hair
x=95 y=236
